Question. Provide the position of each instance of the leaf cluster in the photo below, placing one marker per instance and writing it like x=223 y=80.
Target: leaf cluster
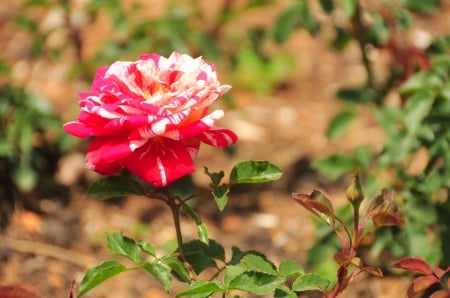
x=427 y=278
x=31 y=140
x=248 y=271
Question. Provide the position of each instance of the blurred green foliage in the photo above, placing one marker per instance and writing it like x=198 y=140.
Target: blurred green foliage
x=31 y=140
x=419 y=123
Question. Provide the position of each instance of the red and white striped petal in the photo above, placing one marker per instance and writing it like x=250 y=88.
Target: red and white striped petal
x=149 y=116
x=95 y=157
x=219 y=137
x=160 y=162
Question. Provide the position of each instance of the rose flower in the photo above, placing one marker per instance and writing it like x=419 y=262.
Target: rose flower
x=149 y=117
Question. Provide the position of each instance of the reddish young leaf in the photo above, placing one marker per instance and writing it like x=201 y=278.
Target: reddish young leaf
x=386 y=219
x=440 y=294
x=420 y=284
x=440 y=272
x=317 y=203
x=375 y=271
x=377 y=202
x=342 y=258
x=16 y=291
x=413 y=264
x=356 y=261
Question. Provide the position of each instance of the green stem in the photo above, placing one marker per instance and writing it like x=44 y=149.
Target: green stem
x=355 y=225
x=175 y=208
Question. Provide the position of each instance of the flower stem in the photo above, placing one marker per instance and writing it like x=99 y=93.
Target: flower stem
x=175 y=208
x=355 y=241
x=175 y=203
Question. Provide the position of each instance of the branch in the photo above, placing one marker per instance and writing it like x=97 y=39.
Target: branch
x=44 y=249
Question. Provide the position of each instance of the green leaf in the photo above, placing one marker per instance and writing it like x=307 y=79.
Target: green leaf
x=310 y=282
x=258 y=263
x=251 y=70
x=177 y=266
x=209 y=45
x=25 y=177
x=254 y=172
x=202 y=229
x=428 y=6
x=285 y=24
x=289 y=268
x=123 y=246
x=306 y=18
x=416 y=109
x=421 y=81
x=379 y=32
x=111 y=5
x=358 y=95
x=27 y=23
x=397 y=148
x=216 y=178
x=340 y=123
x=146 y=247
x=160 y=272
x=201 y=289
x=115 y=186
x=201 y=255
x=341 y=39
x=363 y=156
x=36 y=3
x=403 y=18
x=334 y=166
x=389 y=117
x=293 y=17
x=439 y=45
x=249 y=262
x=256 y=282
x=220 y=195
x=236 y=255
x=4 y=68
x=219 y=192
x=327 y=5
x=349 y=7
x=284 y=292
x=445 y=91
x=98 y=274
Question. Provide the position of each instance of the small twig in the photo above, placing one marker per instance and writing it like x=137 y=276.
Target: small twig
x=74 y=32
x=360 y=31
x=43 y=249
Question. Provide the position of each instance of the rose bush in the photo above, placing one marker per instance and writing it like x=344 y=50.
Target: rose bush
x=150 y=116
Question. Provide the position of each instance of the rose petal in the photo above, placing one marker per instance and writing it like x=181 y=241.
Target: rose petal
x=160 y=162
x=104 y=153
x=219 y=137
x=150 y=116
x=78 y=129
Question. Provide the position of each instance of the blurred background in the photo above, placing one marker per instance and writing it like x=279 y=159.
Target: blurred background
x=320 y=88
